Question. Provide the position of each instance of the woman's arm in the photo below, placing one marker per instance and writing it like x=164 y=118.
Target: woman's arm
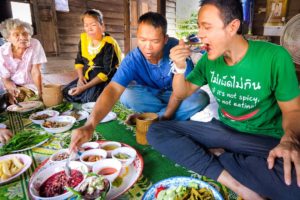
x=37 y=77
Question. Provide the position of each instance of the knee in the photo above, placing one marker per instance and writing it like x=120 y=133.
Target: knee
x=153 y=133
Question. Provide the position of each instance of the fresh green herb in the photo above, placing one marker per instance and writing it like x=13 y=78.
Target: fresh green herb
x=117 y=182
x=63 y=107
x=22 y=140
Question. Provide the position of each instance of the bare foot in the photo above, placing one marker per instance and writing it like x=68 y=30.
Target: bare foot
x=216 y=151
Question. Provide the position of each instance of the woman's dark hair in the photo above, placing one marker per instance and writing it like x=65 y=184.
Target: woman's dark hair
x=97 y=14
x=229 y=9
x=154 y=19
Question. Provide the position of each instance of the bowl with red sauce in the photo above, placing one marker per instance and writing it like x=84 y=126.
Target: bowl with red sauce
x=50 y=181
x=90 y=157
x=108 y=168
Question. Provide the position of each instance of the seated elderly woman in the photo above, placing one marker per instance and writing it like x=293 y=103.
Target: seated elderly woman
x=20 y=60
x=96 y=62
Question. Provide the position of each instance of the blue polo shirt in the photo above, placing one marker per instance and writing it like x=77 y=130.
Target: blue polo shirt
x=135 y=68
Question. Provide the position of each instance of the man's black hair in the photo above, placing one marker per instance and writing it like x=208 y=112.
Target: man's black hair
x=229 y=9
x=155 y=19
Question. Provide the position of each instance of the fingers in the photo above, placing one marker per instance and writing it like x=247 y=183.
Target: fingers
x=5 y=135
x=296 y=160
x=287 y=167
x=84 y=81
x=75 y=140
x=271 y=159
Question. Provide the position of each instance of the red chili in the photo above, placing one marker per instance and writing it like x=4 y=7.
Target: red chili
x=160 y=188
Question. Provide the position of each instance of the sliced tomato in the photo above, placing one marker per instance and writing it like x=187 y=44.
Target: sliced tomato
x=160 y=188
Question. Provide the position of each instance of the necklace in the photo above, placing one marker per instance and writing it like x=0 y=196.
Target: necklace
x=93 y=50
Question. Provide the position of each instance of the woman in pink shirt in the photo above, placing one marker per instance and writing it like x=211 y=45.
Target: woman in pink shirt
x=20 y=60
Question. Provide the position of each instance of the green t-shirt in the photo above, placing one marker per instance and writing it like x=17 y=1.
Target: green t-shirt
x=247 y=92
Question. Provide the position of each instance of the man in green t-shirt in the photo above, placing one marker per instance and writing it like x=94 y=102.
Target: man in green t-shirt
x=255 y=147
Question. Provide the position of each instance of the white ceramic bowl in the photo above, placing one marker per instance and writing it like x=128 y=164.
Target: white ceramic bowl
x=124 y=150
x=60 y=156
x=89 y=145
x=83 y=114
x=50 y=113
x=109 y=168
x=47 y=171
x=88 y=106
x=92 y=152
x=63 y=119
x=109 y=146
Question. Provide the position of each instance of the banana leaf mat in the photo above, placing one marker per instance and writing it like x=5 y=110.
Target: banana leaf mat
x=156 y=166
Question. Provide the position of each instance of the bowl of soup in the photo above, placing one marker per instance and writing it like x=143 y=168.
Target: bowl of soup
x=109 y=168
x=109 y=146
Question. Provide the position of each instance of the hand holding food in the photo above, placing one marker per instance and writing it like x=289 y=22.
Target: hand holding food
x=10 y=167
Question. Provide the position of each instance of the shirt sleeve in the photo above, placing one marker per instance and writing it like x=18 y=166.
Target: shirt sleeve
x=198 y=75
x=285 y=82
x=125 y=73
x=39 y=56
x=4 y=73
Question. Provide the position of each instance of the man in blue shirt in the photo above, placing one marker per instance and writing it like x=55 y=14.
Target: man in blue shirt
x=146 y=72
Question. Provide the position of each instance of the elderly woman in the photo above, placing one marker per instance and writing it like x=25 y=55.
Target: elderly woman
x=20 y=60
x=97 y=60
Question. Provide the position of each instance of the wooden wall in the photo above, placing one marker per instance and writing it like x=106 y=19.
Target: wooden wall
x=171 y=17
x=260 y=17
x=70 y=26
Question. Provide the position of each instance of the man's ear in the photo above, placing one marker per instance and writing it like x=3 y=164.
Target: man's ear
x=166 y=38
x=234 y=26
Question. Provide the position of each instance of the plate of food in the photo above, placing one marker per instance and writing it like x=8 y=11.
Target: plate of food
x=25 y=106
x=109 y=117
x=78 y=115
x=63 y=107
x=12 y=166
x=2 y=125
x=24 y=140
x=180 y=186
x=88 y=106
x=58 y=124
x=50 y=180
x=128 y=176
x=41 y=116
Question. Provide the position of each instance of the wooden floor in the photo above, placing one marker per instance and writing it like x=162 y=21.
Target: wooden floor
x=59 y=70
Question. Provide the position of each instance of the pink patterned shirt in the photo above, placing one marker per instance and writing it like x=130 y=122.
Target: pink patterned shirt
x=19 y=71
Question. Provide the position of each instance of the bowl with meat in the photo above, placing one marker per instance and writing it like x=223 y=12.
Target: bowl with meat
x=60 y=156
x=90 y=157
x=79 y=115
x=51 y=181
x=58 y=124
x=41 y=116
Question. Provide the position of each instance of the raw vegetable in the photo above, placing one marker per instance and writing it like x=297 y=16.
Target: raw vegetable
x=63 y=107
x=22 y=140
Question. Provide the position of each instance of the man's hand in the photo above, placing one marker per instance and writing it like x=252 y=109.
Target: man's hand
x=289 y=150
x=81 y=81
x=180 y=53
x=80 y=136
x=5 y=135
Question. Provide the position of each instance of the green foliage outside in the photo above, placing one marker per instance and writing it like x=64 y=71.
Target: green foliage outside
x=187 y=27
